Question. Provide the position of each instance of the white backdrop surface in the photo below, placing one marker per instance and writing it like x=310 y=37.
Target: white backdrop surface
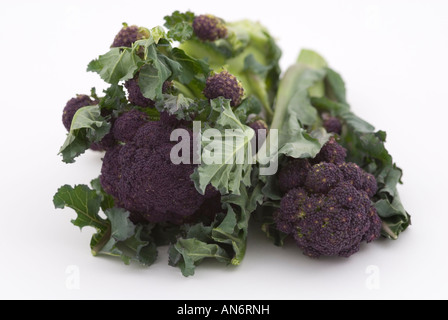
x=393 y=56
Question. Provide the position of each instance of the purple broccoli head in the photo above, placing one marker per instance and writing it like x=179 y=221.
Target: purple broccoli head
x=327 y=208
x=72 y=106
x=128 y=35
x=209 y=28
x=143 y=179
x=224 y=85
x=331 y=152
x=127 y=125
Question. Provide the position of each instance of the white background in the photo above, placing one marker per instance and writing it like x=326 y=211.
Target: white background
x=393 y=56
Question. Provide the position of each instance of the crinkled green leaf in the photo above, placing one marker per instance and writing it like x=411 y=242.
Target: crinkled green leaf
x=107 y=201
x=249 y=106
x=191 y=68
x=86 y=203
x=180 y=25
x=335 y=86
x=114 y=98
x=292 y=112
x=116 y=235
x=119 y=64
x=88 y=126
x=367 y=148
x=178 y=105
x=226 y=160
x=126 y=239
x=188 y=253
x=228 y=233
x=153 y=75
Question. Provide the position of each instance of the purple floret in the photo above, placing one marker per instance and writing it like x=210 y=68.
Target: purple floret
x=353 y=174
x=127 y=125
x=209 y=28
x=323 y=177
x=293 y=174
x=331 y=152
x=111 y=171
x=72 y=106
x=128 y=35
x=224 y=85
x=369 y=185
x=261 y=131
x=333 y=125
x=135 y=95
x=327 y=209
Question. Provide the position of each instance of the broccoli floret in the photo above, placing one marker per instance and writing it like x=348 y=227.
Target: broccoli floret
x=332 y=124
x=135 y=95
x=293 y=174
x=128 y=35
x=256 y=125
x=352 y=174
x=370 y=185
x=127 y=125
x=224 y=85
x=143 y=179
x=323 y=177
x=209 y=28
x=331 y=152
x=72 y=106
x=327 y=208
x=70 y=109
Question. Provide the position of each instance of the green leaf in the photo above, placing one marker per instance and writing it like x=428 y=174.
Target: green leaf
x=86 y=203
x=107 y=201
x=234 y=228
x=119 y=64
x=126 y=240
x=153 y=75
x=227 y=158
x=117 y=235
x=367 y=148
x=180 y=25
x=250 y=106
x=188 y=253
x=88 y=126
x=293 y=113
x=335 y=86
x=114 y=99
x=191 y=68
x=178 y=105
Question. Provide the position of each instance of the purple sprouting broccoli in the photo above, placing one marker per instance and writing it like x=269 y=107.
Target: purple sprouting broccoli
x=142 y=178
x=323 y=177
x=293 y=174
x=70 y=109
x=258 y=126
x=209 y=28
x=127 y=125
x=224 y=85
x=332 y=124
x=327 y=208
x=128 y=35
x=72 y=106
x=331 y=152
x=135 y=95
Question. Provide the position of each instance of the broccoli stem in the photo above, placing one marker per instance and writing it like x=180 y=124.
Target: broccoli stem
x=184 y=90
x=285 y=92
x=258 y=87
